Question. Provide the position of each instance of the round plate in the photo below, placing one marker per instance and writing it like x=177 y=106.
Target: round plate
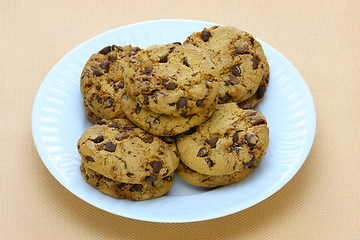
x=58 y=120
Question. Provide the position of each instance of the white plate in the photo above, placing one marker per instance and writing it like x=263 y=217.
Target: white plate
x=58 y=120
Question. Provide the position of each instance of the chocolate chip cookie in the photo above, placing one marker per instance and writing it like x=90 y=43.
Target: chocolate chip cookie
x=203 y=180
x=172 y=79
x=161 y=124
x=119 y=150
x=239 y=57
x=231 y=140
x=151 y=188
x=102 y=81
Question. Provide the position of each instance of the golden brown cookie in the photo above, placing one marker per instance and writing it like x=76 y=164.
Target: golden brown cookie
x=233 y=138
x=119 y=150
x=172 y=79
x=142 y=191
x=239 y=57
x=90 y=114
x=102 y=81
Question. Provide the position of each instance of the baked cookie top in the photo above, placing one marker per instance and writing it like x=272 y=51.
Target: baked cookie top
x=172 y=79
x=151 y=188
x=232 y=139
x=102 y=81
x=161 y=124
x=119 y=150
x=239 y=57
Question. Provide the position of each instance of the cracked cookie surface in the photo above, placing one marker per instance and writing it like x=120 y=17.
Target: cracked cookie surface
x=102 y=80
x=172 y=79
x=141 y=191
x=119 y=150
x=239 y=57
x=231 y=140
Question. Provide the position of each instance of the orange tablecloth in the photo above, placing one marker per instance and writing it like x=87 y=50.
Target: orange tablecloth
x=321 y=38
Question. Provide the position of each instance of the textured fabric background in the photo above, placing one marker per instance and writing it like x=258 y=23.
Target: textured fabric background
x=321 y=38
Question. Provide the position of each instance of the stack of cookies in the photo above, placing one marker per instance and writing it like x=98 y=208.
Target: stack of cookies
x=180 y=107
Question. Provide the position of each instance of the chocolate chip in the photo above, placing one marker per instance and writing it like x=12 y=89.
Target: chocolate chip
x=255 y=63
x=130 y=174
x=115 y=47
x=98 y=98
x=110 y=146
x=247 y=106
x=120 y=85
x=171 y=86
x=105 y=50
x=186 y=62
x=213 y=141
x=89 y=159
x=205 y=35
x=146 y=99
x=148 y=70
x=227 y=83
x=235 y=137
x=151 y=178
x=236 y=148
x=105 y=66
x=137 y=188
x=101 y=122
x=98 y=87
x=233 y=80
x=241 y=49
x=251 y=114
x=181 y=103
x=96 y=72
x=251 y=139
x=108 y=102
x=121 y=136
x=137 y=109
x=258 y=121
x=122 y=185
x=250 y=164
x=113 y=125
x=163 y=58
x=183 y=114
x=236 y=70
x=199 y=102
x=225 y=98
x=202 y=152
x=209 y=162
x=112 y=57
x=261 y=92
x=148 y=138
x=177 y=43
x=98 y=139
x=156 y=166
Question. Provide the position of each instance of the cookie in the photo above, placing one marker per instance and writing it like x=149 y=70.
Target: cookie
x=239 y=57
x=143 y=191
x=203 y=180
x=90 y=114
x=232 y=139
x=102 y=81
x=172 y=79
x=119 y=150
x=161 y=124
